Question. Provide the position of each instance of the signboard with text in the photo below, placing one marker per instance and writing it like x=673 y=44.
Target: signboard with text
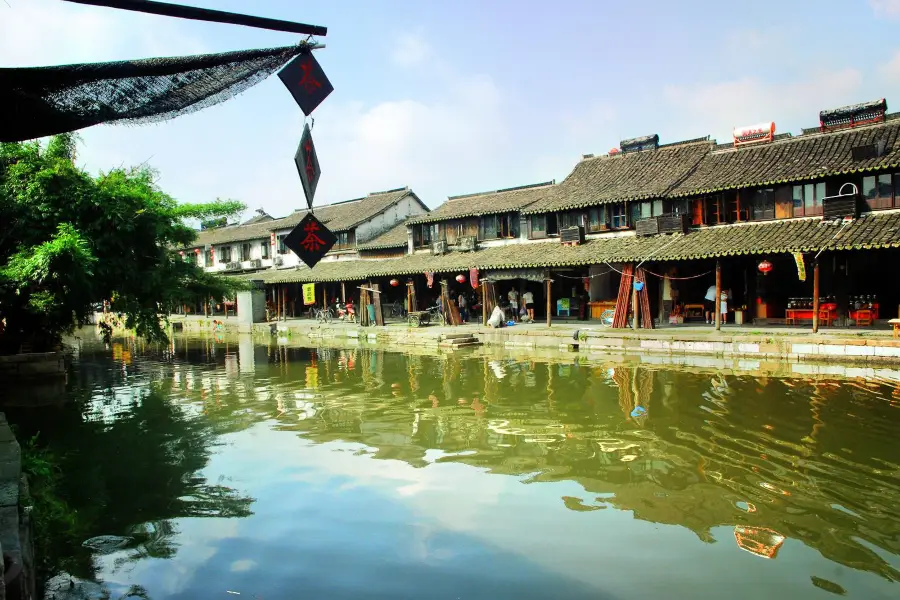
x=310 y=240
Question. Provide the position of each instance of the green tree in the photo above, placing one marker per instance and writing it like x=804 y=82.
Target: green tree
x=70 y=240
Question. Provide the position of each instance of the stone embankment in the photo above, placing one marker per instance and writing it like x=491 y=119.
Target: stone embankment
x=15 y=521
x=858 y=347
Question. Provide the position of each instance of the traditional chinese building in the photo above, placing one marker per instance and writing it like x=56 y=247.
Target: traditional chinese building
x=764 y=206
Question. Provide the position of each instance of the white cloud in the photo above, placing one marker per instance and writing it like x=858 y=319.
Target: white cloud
x=45 y=32
x=717 y=108
x=886 y=8
x=411 y=50
x=890 y=71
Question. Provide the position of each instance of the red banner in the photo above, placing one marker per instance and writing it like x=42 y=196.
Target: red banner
x=473 y=277
x=429 y=275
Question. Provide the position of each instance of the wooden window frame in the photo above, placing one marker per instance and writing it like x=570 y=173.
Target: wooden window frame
x=535 y=233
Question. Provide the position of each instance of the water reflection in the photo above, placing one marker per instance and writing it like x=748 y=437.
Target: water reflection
x=767 y=466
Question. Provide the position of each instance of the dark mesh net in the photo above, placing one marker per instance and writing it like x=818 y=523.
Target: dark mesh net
x=41 y=101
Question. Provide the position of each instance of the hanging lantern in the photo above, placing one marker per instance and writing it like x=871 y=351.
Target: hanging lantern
x=764 y=267
x=395 y=282
x=460 y=278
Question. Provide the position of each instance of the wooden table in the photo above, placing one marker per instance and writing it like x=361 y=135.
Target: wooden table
x=895 y=323
x=826 y=315
x=694 y=310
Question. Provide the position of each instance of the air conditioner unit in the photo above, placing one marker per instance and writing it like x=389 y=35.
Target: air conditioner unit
x=439 y=247
x=233 y=266
x=256 y=263
x=278 y=261
x=572 y=235
x=466 y=243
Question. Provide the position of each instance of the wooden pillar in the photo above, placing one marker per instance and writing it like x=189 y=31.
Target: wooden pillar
x=815 y=295
x=484 y=316
x=718 y=302
x=284 y=302
x=549 y=289
x=324 y=296
x=376 y=298
x=343 y=293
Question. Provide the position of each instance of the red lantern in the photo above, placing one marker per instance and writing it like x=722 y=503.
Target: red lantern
x=460 y=278
x=764 y=267
x=395 y=282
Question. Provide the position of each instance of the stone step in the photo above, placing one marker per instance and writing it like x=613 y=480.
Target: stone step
x=471 y=344
x=465 y=340
x=456 y=336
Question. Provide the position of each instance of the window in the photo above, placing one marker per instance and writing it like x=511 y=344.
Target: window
x=876 y=190
x=282 y=249
x=797 y=195
x=676 y=208
x=264 y=250
x=422 y=235
x=209 y=258
x=570 y=219
x=657 y=208
x=618 y=216
x=245 y=252
x=811 y=195
x=597 y=219
x=552 y=225
x=538 y=226
x=346 y=240
x=897 y=190
x=488 y=227
x=225 y=254
x=715 y=210
x=762 y=205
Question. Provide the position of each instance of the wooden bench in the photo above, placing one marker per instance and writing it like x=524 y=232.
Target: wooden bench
x=895 y=323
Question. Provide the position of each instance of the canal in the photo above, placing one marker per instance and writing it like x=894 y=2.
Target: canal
x=238 y=468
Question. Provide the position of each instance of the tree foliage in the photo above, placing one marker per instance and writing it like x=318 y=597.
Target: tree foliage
x=70 y=240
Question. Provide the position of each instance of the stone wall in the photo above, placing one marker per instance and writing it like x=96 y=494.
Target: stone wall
x=33 y=365
x=15 y=521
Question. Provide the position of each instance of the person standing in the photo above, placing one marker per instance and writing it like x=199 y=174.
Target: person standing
x=463 y=303
x=513 y=297
x=528 y=298
x=710 y=301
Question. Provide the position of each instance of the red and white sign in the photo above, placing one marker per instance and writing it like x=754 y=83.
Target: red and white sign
x=762 y=132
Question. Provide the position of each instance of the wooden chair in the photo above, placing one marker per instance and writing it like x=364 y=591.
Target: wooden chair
x=864 y=318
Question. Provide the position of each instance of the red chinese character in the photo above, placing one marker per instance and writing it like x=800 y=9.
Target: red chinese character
x=310 y=168
x=312 y=242
x=309 y=82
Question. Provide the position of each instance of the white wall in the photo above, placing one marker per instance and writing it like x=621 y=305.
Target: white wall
x=399 y=212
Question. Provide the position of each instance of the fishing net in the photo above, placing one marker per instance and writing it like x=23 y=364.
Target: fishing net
x=40 y=101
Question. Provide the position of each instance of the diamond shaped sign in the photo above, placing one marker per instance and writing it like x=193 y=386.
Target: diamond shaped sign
x=307 y=162
x=310 y=240
x=306 y=81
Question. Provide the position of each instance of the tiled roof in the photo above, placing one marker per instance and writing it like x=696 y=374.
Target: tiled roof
x=789 y=159
x=488 y=203
x=876 y=230
x=625 y=176
x=394 y=237
x=340 y=216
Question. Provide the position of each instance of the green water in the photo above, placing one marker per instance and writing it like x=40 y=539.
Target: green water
x=270 y=472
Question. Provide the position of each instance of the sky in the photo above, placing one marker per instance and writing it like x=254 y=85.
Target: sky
x=467 y=96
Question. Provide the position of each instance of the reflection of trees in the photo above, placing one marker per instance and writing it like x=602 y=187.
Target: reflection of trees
x=141 y=467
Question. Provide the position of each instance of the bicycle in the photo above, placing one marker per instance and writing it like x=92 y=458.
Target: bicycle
x=324 y=315
x=437 y=315
x=397 y=310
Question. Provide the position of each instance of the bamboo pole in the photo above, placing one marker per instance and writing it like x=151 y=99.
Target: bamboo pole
x=815 y=324
x=718 y=302
x=484 y=304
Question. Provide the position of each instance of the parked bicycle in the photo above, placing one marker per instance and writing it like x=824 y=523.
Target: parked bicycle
x=437 y=315
x=397 y=310
x=324 y=315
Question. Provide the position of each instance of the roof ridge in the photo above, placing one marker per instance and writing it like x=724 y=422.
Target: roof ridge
x=510 y=189
x=405 y=188
x=698 y=140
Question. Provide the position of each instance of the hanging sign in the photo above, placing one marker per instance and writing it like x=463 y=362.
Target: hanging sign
x=473 y=277
x=801 y=266
x=306 y=81
x=310 y=240
x=309 y=294
x=307 y=165
x=429 y=276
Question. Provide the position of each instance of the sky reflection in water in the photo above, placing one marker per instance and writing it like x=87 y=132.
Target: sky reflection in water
x=354 y=473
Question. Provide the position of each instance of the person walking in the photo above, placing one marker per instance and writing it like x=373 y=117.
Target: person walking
x=710 y=302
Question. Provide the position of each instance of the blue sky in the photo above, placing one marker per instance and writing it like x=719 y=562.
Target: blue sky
x=460 y=97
